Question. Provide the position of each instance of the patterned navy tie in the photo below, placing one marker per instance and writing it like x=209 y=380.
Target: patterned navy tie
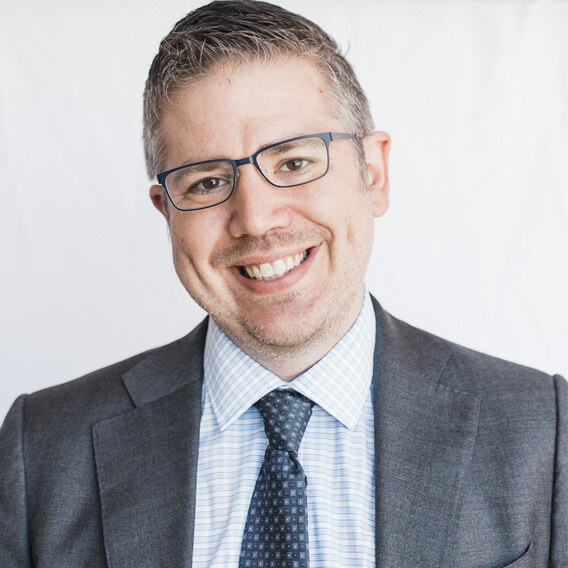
x=276 y=531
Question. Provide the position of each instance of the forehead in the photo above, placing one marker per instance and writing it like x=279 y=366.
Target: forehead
x=238 y=108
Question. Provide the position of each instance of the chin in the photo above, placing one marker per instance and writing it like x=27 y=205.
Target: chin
x=295 y=334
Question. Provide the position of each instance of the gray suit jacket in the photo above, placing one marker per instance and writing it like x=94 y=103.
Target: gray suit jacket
x=471 y=461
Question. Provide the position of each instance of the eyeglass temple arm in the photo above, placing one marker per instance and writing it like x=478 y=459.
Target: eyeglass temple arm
x=342 y=136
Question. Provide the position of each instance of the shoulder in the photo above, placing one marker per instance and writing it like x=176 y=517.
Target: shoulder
x=519 y=413
x=114 y=389
x=464 y=369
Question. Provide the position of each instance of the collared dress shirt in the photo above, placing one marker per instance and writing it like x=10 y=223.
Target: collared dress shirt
x=337 y=450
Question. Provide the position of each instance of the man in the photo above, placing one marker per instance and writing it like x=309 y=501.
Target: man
x=416 y=452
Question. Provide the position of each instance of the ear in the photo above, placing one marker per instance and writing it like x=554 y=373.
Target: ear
x=159 y=199
x=377 y=148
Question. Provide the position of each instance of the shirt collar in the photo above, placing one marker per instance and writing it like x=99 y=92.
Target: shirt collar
x=339 y=383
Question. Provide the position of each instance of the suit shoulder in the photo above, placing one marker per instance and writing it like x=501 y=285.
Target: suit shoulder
x=470 y=370
x=98 y=383
x=102 y=393
x=488 y=372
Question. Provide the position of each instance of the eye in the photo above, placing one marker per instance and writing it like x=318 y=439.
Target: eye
x=208 y=185
x=295 y=165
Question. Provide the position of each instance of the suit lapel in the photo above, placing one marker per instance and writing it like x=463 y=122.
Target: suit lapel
x=147 y=460
x=424 y=435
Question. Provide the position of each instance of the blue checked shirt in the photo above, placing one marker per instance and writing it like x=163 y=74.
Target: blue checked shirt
x=337 y=450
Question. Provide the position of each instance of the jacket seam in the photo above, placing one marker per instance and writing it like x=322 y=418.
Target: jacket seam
x=554 y=466
x=24 y=474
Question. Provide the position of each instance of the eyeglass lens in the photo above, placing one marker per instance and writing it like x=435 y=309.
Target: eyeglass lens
x=287 y=164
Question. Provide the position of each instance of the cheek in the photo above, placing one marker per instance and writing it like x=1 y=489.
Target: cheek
x=187 y=246
x=360 y=220
x=193 y=234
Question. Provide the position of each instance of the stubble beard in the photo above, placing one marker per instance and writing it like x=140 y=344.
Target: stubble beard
x=302 y=339
x=305 y=337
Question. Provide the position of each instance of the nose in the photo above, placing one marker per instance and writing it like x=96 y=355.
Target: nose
x=256 y=206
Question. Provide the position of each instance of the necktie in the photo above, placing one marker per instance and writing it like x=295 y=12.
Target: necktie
x=276 y=534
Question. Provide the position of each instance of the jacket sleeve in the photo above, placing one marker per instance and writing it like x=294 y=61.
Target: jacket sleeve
x=14 y=542
x=559 y=536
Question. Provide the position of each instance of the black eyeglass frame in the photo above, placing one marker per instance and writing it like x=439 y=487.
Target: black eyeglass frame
x=327 y=137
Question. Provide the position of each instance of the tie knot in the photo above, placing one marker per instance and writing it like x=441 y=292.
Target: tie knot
x=286 y=414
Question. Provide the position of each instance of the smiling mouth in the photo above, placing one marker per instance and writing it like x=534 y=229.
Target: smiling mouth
x=276 y=269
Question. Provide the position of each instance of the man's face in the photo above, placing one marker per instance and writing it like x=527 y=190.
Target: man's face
x=327 y=224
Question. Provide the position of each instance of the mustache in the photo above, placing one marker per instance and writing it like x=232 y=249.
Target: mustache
x=249 y=246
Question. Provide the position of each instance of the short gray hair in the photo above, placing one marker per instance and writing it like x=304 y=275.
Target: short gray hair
x=239 y=32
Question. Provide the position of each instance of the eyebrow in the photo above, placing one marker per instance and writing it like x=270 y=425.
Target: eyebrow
x=204 y=167
x=209 y=165
x=277 y=148
x=281 y=148
x=207 y=168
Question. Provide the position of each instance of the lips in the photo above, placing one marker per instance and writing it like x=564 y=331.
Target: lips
x=274 y=270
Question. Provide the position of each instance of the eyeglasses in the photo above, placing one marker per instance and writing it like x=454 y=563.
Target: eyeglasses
x=289 y=163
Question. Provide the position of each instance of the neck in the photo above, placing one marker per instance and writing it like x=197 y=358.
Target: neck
x=289 y=361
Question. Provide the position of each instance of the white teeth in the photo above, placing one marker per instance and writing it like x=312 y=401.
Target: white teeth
x=266 y=270
x=277 y=269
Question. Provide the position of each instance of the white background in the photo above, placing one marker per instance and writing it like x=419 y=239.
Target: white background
x=473 y=248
